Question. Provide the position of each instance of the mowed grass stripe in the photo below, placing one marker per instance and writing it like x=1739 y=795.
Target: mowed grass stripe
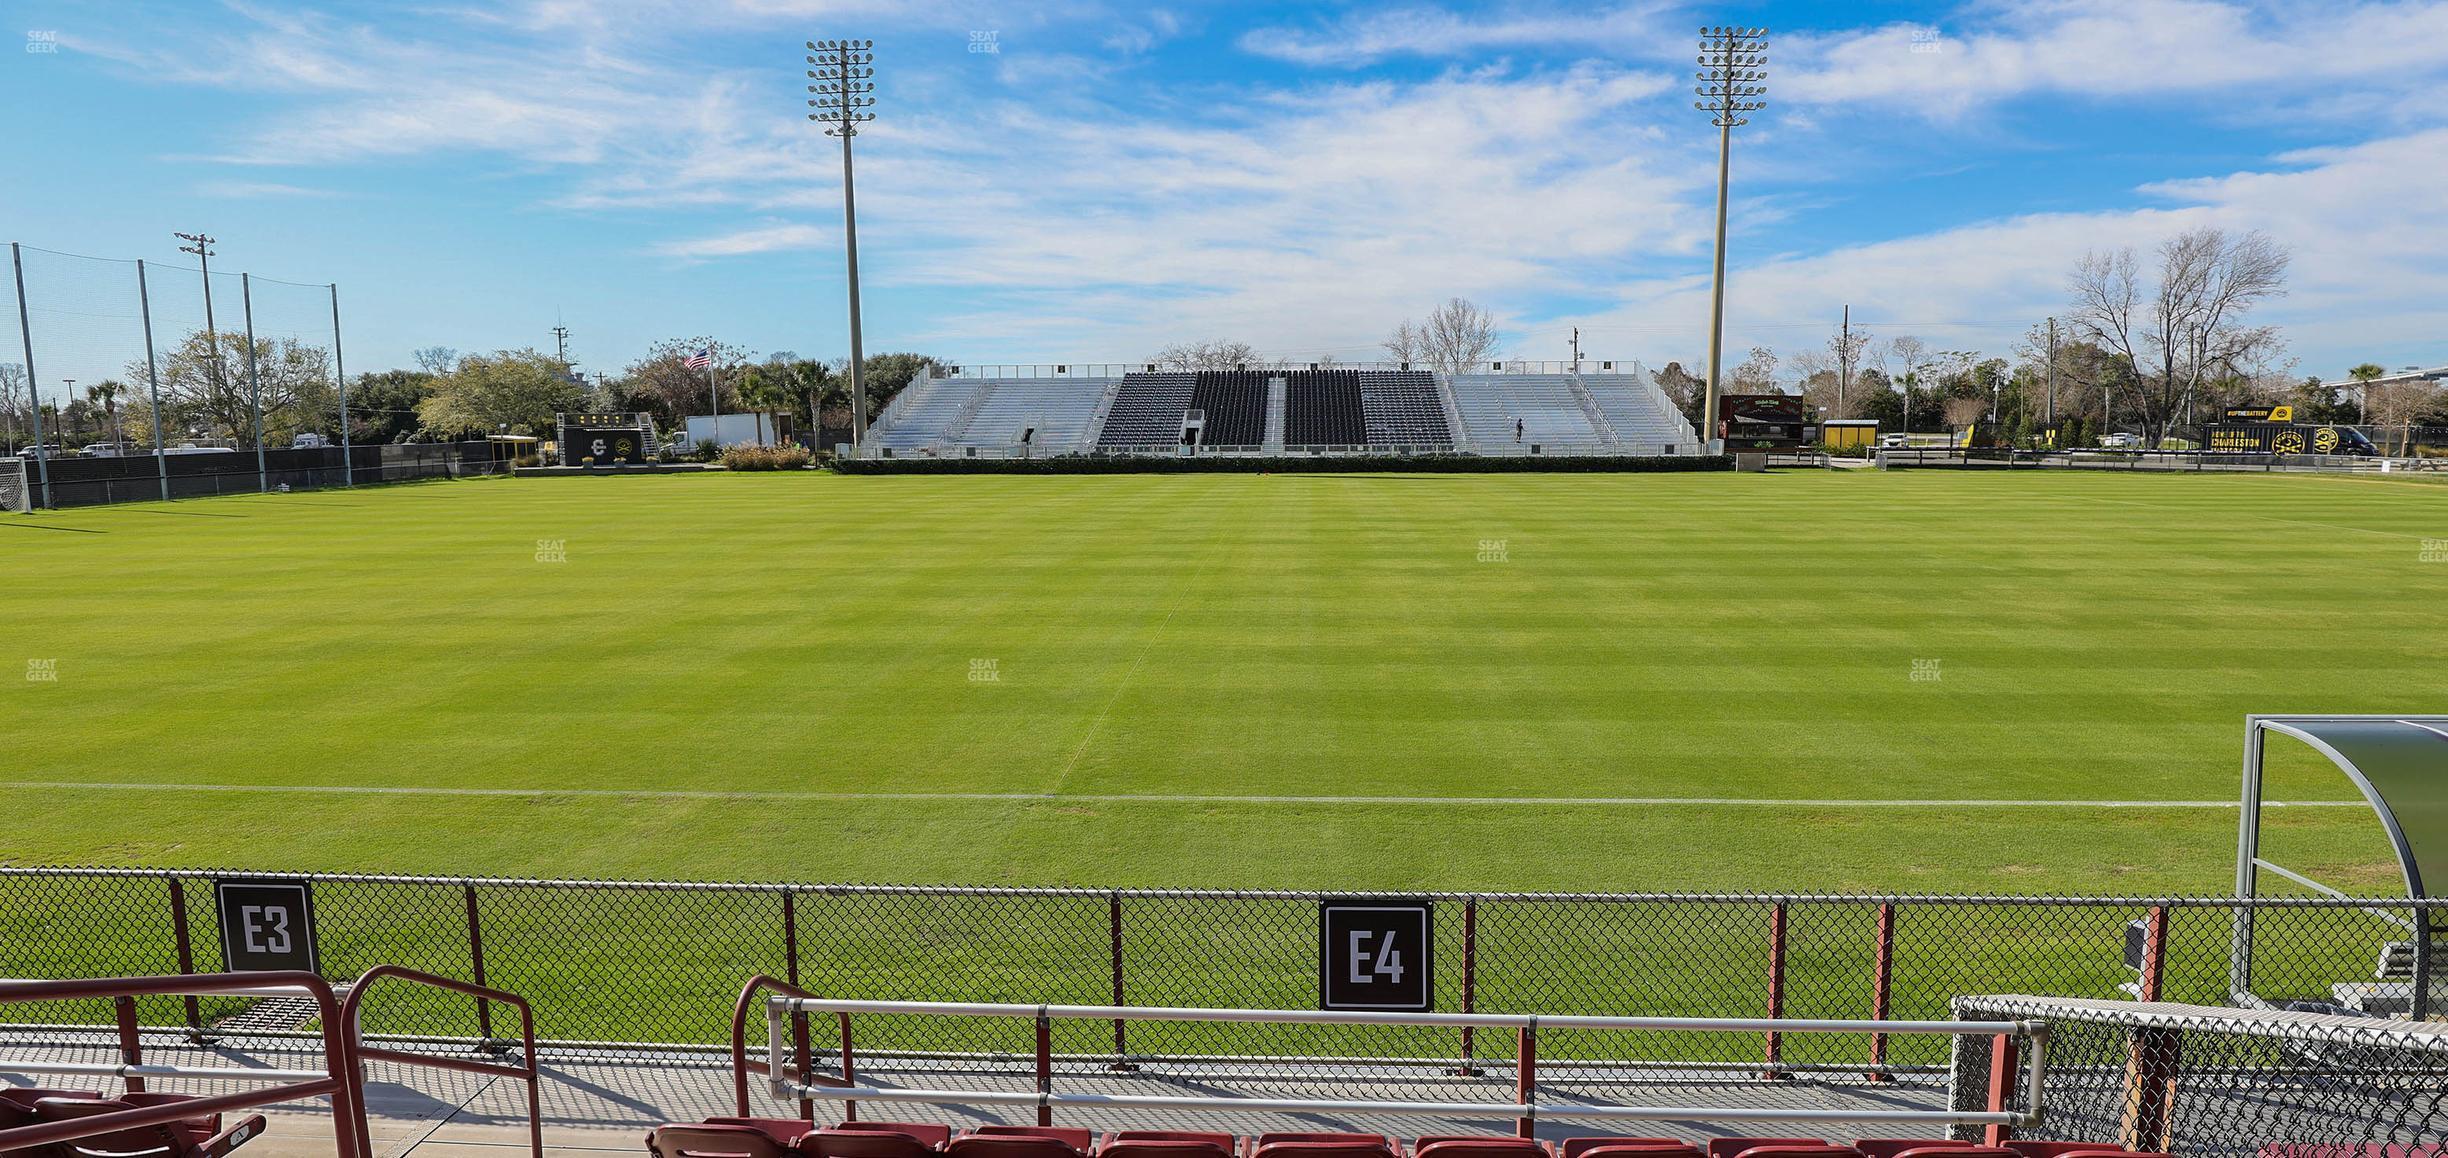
x=2097 y=637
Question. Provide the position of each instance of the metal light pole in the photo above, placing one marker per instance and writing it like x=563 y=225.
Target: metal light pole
x=844 y=72
x=1731 y=65
x=201 y=247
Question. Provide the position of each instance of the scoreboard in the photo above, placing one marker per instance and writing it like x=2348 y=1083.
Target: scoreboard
x=603 y=437
x=1765 y=422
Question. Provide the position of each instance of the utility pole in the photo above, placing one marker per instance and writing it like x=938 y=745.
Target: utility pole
x=560 y=335
x=1576 y=349
x=1844 y=359
x=844 y=72
x=1731 y=61
x=201 y=247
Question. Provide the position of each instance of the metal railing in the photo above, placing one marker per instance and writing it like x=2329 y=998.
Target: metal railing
x=1526 y=1110
x=360 y=1052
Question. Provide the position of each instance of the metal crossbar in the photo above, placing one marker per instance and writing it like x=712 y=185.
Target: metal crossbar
x=781 y=1008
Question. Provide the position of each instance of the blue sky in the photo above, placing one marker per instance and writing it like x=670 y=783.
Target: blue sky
x=1115 y=177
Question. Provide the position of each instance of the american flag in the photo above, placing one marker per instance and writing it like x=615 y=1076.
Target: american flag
x=701 y=359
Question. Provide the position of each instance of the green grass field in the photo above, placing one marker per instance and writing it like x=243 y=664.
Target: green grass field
x=778 y=677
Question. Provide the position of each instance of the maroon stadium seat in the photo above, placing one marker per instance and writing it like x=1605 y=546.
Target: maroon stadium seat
x=197 y=1137
x=787 y=1131
x=1325 y=1146
x=1079 y=1138
x=863 y=1144
x=1928 y=1148
x=931 y=1133
x=1729 y=1147
x=1820 y=1150
x=1479 y=1146
x=1612 y=1147
x=981 y=1145
x=2043 y=1149
x=1168 y=1144
x=26 y=1096
x=716 y=1140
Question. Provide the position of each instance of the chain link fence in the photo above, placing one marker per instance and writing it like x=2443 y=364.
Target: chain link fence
x=611 y=965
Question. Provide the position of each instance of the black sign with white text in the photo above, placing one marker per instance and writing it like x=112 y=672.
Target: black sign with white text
x=1375 y=953
x=266 y=925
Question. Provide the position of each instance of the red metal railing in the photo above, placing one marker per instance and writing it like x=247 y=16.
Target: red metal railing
x=338 y=1082
x=359 y=1052
x=740 y=1065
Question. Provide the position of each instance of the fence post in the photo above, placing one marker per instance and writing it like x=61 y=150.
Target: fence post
x=2150 y=1089
x=2154 y=954
x=131 y=1045
x=2005 y=1073
x=790 y=973
x=1113 y=924
x=1525 y=1075
x=186 y=954
x=1470 y=983
x=1882 y=979
x=1776 y=986
x=475 y=928
x=1045 y=1066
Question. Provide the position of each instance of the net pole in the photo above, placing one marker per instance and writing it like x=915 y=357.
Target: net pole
x=25 y=334
x=144 y=306
x=348 y=458
x=246 y=297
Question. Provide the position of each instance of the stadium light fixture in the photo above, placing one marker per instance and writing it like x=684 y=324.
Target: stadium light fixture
x=840 y=93
x=1733 y=62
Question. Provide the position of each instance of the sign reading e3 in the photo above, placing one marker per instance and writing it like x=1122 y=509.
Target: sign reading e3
x=1376 y=953
x=266 y=925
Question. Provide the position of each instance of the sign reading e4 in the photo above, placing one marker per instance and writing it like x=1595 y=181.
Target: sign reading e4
x=266 y=925
x=1375 y=953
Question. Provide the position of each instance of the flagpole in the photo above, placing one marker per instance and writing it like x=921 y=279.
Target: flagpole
x=713 y=395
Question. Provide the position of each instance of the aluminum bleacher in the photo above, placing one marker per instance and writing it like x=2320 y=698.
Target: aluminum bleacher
x=1235 y=402
x=1507 y=414
x=1057 y=413
x=919 y=418
x=1324 y=409
x=1642 y=419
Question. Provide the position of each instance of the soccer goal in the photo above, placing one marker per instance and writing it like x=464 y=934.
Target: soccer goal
x=16 y=495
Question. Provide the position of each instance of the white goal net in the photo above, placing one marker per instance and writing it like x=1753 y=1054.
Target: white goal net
x=15 y=496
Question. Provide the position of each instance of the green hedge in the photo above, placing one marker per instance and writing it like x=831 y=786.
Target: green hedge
x=1442 y=463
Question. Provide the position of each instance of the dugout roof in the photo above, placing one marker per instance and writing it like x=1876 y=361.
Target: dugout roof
x=2398 y=763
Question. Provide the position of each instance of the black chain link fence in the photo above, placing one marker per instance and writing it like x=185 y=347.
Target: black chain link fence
x=616 y=964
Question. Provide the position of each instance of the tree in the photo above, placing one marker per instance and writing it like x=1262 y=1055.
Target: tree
x=435 y=360
x=1684 y=390
x=205 y=383
x=1457 y=338
x=2363 y=375
x=106 y=394
x=663 y=384
x=785 y=381
x=1757 y=374
x=521 y=389
x=2170 y=336
x=1221 y=354
x=1913 y=353
x=383 y=405
x=1845 y=349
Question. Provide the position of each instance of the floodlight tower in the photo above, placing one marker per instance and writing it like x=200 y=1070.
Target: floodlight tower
x=1732 y=63
x=843 y=72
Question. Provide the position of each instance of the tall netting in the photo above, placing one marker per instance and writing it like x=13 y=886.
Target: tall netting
x=2204 y=1081
x=85 y=317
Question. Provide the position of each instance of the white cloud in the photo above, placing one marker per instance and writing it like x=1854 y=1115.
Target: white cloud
x=1361 y=38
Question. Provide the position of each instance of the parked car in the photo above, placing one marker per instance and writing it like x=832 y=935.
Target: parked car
x=2121 y=441
x=111 y=449
x=1894 y=441
x=309 y=441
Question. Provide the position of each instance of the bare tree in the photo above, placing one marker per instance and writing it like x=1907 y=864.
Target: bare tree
x=1915 y=356
x=1845 y=349
x=1757 y=374
x=2190 y=325
x=1457 y=338
x=1221 y=354
x=435 y=360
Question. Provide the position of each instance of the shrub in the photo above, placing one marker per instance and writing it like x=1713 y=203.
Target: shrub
x=707 y=450
x=749 y=457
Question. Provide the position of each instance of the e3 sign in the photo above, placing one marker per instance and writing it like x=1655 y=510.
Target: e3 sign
x=266 y=925
x=1374 y=953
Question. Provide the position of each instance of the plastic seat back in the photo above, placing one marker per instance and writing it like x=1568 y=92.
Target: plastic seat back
x=1629 y=1148
x=1217 y=1137
x=1165 y=1148
x=1729 y=1147
x=863 y=1144
x=1358 y=1146
x=135 y=1142
x=1819 y=1150
x=932 y=1133
x=1079 y=1138
x=1446 y=1146
x=26 y=1096
x=1926 y=1149
x=2039 y=1148
x=1010 y=1146
x=713 y=1140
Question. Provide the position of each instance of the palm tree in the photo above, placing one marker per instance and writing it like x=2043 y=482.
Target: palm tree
x=106 y=395
x=2363 y=376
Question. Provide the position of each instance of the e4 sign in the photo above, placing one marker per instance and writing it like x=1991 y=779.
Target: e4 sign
x=1376 y=953
x=266 y=925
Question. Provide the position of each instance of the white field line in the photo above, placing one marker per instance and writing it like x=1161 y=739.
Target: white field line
x=1146 y=798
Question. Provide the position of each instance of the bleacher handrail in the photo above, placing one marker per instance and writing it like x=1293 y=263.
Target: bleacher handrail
x=1524 y=1110
x=359 y=1051
x=337 y=1079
